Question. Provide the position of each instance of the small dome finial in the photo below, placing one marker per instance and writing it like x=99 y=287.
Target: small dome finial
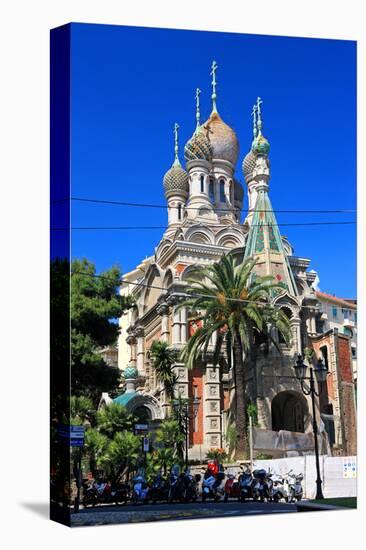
x=260 y=145
x=259 y=114
x=254 y=115
x=198 y=114
x=214 y=68
x=176 y=145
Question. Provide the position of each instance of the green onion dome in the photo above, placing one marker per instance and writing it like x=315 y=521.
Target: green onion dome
x=176 y=180
x=260 y=145
x=198 y=147
x=130 y=372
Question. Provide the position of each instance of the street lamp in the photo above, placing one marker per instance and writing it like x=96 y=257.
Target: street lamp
x=321 y=375
x=181 y=408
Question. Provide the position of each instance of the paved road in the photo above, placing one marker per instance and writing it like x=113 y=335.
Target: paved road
x=104 y=515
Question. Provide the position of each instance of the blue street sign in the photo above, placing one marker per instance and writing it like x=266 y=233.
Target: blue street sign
x=72 y=435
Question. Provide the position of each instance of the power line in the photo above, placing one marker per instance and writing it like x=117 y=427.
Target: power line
x=186 y=295
x=126 y=227
x=147 y=205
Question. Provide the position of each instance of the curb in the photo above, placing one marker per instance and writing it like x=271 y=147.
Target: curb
x=312 y=507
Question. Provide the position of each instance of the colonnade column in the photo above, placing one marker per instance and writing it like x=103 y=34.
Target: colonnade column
x=140 y=352
x=212 y=406
x=163 y=311
x=296 y=335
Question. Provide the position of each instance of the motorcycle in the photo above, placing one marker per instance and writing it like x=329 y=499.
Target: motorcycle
x=190 y=486
x=90 y=495
x=212 y=486
x=140 y=490
x=120 y=493
x=260 y=487
x=295 y=490
x=245 y=486
x=232 y=488
x=159 y=490
x=279 y=489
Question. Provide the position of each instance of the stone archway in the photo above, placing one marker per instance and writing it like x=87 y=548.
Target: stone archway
x=288 y=410
x=145 y=405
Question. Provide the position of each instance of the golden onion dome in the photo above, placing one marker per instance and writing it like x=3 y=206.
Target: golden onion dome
x=222 y=138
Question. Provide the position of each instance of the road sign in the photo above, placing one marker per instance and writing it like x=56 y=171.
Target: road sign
x=145 y=444
x=71 y=435
x=141 y=429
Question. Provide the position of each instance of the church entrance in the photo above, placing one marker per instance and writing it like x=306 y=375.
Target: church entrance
x=288 y=412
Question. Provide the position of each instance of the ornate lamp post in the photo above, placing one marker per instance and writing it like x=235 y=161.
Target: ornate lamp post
x=182 y=411
x=320 y=374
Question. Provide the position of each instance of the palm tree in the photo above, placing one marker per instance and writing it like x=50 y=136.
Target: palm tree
x=236 y=307
x=82 y=410
x=171 y=437
x=122 y=455
x=95 y=447
x=163 y=360
x=114 y=418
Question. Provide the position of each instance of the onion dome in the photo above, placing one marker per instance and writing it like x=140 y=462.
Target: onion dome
x=130 y=372
x=222 y=138
x=248 y=165
x=198 y=147
x=176 y=178
x=238 y=191
x=260 y=145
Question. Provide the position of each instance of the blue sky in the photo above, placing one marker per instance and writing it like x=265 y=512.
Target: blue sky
x=130 y=85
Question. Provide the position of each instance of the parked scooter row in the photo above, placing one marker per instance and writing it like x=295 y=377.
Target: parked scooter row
x=258 y=485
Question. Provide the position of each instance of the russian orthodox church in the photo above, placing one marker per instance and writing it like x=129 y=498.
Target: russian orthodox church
x=204 y=205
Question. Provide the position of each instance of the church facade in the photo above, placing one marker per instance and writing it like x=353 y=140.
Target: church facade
x=204 y=205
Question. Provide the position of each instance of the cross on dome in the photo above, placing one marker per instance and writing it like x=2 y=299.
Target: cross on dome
x=198 y=114
x=214 y=68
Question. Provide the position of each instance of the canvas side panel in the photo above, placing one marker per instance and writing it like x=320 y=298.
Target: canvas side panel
x=60 y=271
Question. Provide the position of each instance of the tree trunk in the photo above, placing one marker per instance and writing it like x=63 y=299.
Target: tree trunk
x=240 y=413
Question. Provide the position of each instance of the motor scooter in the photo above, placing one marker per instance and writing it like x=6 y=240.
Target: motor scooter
x=295 y=490
x=212 y=486
x=246 y=485
x=279 y=489
x=232 y=487
x=259 y=486
x=140 y=490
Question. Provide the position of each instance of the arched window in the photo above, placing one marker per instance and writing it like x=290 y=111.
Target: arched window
x=222 y=191
x=202 y=179
x=179 y=211
x=211 y=191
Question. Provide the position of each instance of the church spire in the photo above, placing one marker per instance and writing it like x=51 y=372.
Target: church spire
x=214 y=68
x=259 y=115
x=254 y=115
x=198 y=114
x=176 y=145
x=260 y=145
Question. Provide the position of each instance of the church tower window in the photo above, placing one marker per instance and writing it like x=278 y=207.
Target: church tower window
x=202 y=184
x=179 y=211
x=222 y=191
x=211 y=191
